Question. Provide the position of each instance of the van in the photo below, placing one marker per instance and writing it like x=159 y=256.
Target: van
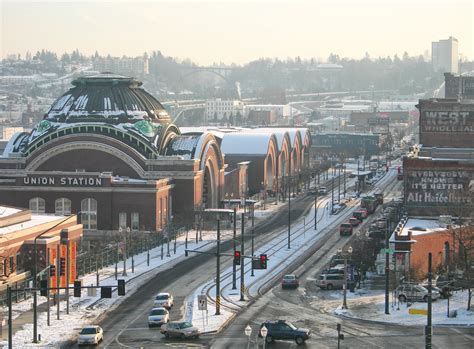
x=330 y=281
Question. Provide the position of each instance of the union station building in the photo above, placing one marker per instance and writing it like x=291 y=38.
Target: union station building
x=108 y=151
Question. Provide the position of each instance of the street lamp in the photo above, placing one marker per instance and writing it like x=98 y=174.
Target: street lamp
x=264 y=332
x=349 y=251
x=248 y=333
x=127 y=230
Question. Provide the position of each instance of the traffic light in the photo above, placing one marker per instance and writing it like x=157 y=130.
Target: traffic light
x=263 y=261
x=44 y=288
x=62 y=266
x=52 y=270
x=106 y=292
x=237 y=256
x=77 y=288
x=121 y=287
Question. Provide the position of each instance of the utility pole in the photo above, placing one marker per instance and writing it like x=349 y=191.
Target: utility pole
x=339 y=185
x=332 y=195
x=429 y=328
x=218 y=272
x=253 y=224
x=387 y=268
x=10 y=320
x=344 y=302
x=242 y=260
x=315 y=208
x=234 y=243
x=289 y=203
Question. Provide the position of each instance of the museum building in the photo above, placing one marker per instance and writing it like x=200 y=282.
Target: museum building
x=107 y=150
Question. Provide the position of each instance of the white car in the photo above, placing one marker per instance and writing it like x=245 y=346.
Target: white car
x=90 y=335
x=180 y=329
x=164 y=300
x=158 y=317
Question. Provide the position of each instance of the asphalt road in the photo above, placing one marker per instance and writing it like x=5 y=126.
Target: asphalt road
x=126 y=326
x=300 y=307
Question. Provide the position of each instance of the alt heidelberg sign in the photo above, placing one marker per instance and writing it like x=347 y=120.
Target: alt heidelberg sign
x=62 y=181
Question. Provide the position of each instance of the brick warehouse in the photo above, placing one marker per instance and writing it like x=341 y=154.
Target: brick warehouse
x=108 y=149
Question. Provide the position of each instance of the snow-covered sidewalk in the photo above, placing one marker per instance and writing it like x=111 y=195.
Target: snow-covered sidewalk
x=370 y=305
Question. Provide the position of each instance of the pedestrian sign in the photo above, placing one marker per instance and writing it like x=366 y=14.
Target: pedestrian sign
x=202 y=302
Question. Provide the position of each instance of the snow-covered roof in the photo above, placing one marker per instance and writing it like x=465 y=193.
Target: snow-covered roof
x=36 y=219
x=253 y=143
x=420 y=226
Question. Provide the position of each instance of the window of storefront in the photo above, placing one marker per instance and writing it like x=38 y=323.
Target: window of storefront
x=37 y=205
x=89 y=213
x=62 y=207
x=19 y=263
x=135 y=221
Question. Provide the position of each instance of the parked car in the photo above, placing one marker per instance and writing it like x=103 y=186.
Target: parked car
x=290 y=281
x=322 y=191
x=158 y=317
x=414 y=293
x=90 y=335
x=337 y=269
x=345 y=229
x=164 y=300
x=330 y=281
x=282 y=329
x=354 y=221
x=180 y=329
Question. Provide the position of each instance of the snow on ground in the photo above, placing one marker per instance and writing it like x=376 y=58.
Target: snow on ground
x=87 y=309
x=303 y=236
x=370 y=305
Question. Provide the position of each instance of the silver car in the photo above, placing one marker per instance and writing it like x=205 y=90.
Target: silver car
x=415 y=293
x=330 y=281
x=180 y=329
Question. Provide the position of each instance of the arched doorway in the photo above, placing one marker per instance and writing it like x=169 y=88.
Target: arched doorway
x=269 y=173
x=209 y=190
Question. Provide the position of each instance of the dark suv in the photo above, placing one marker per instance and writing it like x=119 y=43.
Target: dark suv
x=282 y=329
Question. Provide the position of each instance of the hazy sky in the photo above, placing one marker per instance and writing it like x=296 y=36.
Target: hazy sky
x=236 y=31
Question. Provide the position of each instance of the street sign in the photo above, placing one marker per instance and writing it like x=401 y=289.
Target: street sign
x=202 y=302
x=389 y=250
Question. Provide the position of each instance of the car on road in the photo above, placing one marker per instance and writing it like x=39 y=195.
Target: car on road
x=330 y=281
x=345 y=229
x=354 y=221
x=282 y=329
x=414 y=293
x=90 y=335
x=290 y=281
x=180 y=329
x=158 y=317
x=164 y=300
x=322 y=191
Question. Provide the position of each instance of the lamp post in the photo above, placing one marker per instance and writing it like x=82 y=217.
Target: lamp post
x=264 y=332
x=349 y=251
x=127 y=230
x=248 y=333
x=35 y=272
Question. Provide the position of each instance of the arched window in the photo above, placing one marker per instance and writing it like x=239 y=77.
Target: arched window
x=89 y=213
x=446 y=253
x=37 y=205
x=62 y=207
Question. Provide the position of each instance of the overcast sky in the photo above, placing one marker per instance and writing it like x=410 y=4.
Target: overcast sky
x=236 y=31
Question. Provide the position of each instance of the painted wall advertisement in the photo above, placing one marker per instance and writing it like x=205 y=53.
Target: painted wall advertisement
x=447 y=121
x=440 y=187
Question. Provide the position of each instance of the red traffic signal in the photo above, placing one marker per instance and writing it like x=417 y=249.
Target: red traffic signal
x=237 y=257
x=263 y=261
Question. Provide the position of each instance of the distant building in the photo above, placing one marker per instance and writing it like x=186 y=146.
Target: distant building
x=262 y=117
x=444 y=55
x=281 y=110
x=136 y=67
x=458 y=86
x=219 y=109
x=7 y=132
x=349 y=144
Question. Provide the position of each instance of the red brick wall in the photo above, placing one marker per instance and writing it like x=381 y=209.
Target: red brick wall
x=426 y=243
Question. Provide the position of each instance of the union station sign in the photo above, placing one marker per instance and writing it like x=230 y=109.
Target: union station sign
x=63 y=181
